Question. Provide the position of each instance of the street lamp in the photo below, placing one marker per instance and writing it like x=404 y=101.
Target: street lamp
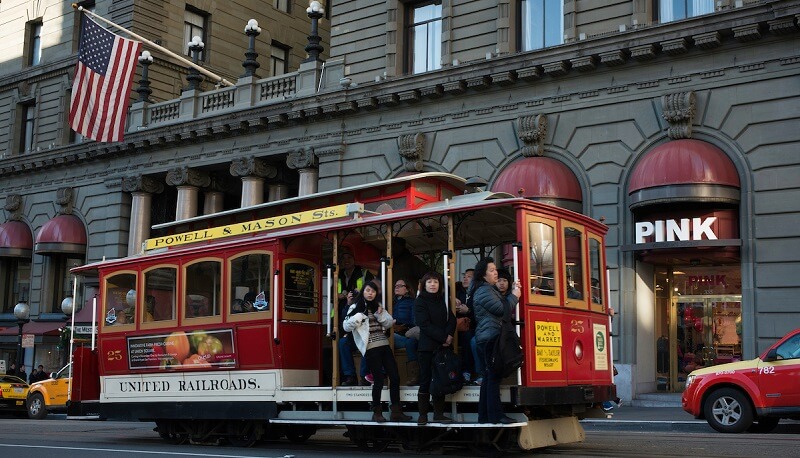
x=194 y=77
x=23 y=314
x=313 y=48
x=250 y=64
x=144 y=84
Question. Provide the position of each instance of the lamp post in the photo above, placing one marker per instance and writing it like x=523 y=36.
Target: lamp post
x=252 y=30
x=67 y=307
x=144 y=84
x=313 y=48
x=194 y=77
x=23 y=314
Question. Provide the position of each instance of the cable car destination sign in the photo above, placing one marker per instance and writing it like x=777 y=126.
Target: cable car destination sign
x=259 y=225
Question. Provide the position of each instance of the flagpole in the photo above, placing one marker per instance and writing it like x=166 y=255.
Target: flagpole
x=219 y=79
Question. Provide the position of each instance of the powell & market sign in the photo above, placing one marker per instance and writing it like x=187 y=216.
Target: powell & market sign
x=248 y=227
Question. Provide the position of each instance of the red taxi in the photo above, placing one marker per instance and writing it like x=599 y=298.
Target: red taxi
x=748 y=395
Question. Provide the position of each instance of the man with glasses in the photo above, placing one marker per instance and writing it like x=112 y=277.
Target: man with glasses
x=403 y=313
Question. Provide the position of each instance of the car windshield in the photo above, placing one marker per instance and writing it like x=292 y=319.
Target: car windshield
x=11 y=379
x=790 y=349
x=65 y=371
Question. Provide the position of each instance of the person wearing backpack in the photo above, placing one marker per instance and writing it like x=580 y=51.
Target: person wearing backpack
x=490 y=307
x=437 y=326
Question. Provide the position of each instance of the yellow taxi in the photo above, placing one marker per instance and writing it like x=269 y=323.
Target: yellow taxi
x=14 y=393
x=49 y=395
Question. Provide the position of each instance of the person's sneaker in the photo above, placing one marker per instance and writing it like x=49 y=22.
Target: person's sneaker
x=467 y=376
x=608 y=406
x=478 y=381
x=618 y=402
x=369 y=378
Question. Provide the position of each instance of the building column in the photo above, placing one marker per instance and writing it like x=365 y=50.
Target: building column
x=253 y=172
x=142 y=189
x=188 y=181
x=278 y=191
x=213 y=203
x=305 y=162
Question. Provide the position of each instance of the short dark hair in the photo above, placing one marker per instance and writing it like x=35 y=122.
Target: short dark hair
x=502 y=272
x=469 y=270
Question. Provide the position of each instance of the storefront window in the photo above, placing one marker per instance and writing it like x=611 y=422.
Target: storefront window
x=15 y=283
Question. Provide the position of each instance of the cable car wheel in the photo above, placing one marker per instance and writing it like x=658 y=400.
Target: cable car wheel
x=243 y=433
x=169 y=431
x=369 y=439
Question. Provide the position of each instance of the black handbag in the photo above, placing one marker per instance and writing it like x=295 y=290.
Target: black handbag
x=507 y=353
x=447 y=378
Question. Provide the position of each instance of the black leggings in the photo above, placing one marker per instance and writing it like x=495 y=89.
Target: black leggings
x=380 y=360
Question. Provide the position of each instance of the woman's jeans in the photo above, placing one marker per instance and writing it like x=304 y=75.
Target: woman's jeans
x=490 y=410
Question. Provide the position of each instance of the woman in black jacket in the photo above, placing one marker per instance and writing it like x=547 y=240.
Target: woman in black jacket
x=437 y=326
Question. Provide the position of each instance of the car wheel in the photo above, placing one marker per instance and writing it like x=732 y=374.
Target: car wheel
x=36 y=408
x=764 y=425
x=728 y=411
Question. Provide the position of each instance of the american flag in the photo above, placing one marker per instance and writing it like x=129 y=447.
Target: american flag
x=100 y=92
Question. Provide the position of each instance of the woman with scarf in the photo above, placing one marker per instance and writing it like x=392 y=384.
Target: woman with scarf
x=437 y=325
x=368 y=320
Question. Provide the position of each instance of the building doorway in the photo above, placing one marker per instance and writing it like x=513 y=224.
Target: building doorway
x=698 y=321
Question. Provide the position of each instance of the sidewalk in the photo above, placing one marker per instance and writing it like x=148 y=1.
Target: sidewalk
x=663 y=419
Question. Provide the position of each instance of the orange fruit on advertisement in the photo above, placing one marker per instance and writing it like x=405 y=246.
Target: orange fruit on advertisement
x=177 y=345
x=196 y=361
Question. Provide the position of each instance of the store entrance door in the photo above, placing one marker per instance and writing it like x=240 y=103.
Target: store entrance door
x=707 y=331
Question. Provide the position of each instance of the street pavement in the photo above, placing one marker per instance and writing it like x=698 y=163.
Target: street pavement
x=663 y=419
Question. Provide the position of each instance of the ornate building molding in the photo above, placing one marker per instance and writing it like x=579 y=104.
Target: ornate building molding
x=64 y=198
x=532 y=131
x=303 y=158
x=411 y=147
x=678 y=110
x=252 y=166
x=185 y=176
x=14 y=207
x=142 y=183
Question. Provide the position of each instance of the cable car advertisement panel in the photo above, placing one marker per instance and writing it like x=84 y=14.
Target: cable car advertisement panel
x=182 y=350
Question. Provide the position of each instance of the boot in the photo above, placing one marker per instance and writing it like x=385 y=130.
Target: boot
x=397 y=413
x=377 y=415
x=424 y=406
x=438 y=411
x=413 y=373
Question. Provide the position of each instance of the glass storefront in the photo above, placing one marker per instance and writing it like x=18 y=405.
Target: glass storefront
x=698 y=321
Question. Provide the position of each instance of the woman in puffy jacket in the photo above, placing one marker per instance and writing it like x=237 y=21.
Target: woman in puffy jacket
x=490 y=306
x=368 y=320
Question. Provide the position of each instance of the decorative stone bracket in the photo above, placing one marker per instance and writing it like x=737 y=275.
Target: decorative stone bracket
x=678 y=110
x=14 y=207
x=411 y=147
x=532 y=131
x=64 y=199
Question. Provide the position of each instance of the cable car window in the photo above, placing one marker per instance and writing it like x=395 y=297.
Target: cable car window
x=160 y=294
x=574 y=265
x=250 y=283
x=203 y=289
x=596 y=272
x=120 y=299
x=300 y=290
x=541 y=238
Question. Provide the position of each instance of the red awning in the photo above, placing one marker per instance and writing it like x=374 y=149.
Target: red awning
x=62 y=234
x=39 y=328
x=684 y=170
x=15 y=240
x=542 y=179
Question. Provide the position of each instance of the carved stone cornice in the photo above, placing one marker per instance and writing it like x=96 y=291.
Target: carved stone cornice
x=252 y=166
x=532 y=131
x=411 y=148
x=185 y=176
x=142 y=183
x=14 y=207
x=678 y=110
x=302 y=159
x=64 y=198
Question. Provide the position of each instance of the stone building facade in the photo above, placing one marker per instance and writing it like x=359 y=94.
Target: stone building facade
x=672 y=122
